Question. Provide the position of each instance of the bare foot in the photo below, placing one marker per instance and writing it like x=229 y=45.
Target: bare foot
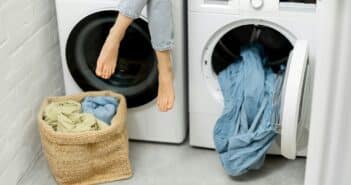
x=107 y=61
x=165 y=97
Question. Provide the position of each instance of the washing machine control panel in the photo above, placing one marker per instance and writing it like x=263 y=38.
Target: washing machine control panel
x=251 y=6
x=257 y=4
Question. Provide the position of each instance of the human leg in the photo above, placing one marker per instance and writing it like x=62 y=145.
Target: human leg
x=161 y=29
x=107 y=60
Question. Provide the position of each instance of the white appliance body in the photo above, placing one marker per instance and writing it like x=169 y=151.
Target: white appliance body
x=145 y=122
x=209 y=21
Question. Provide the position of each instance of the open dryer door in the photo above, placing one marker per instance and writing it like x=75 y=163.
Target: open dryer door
x=292 y=98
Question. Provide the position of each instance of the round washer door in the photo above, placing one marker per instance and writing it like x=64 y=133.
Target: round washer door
x=224 y=48
x=292 y=96
x=136 y=72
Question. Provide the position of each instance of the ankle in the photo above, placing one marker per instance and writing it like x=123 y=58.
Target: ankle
x=112 y=43
x=116 y=35
x=165 y=66
x=165 y=77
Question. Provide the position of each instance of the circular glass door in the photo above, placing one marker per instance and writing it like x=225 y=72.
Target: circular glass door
x=276 y=46
x=136 y=73
x=224 y=48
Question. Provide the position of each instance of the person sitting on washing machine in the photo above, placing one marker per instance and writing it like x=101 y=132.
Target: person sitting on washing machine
x=161 y=28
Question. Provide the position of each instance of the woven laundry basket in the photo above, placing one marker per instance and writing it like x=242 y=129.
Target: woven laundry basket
x=90 y=157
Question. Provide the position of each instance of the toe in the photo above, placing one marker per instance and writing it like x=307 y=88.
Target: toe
x=160 y=107
x=161 y=104
x=98 y=68
x=111 y=72
x=104 y=72
x=169 y=105
x=108 y=74
x=164 y=106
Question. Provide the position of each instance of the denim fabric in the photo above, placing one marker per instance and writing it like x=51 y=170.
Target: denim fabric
x=102 y=107
x=160 y=20
x=248 y=125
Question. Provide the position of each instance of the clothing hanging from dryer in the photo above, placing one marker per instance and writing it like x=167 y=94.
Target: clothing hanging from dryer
x=249 y=122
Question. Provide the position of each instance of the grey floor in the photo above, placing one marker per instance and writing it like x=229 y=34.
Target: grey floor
x=163 y=164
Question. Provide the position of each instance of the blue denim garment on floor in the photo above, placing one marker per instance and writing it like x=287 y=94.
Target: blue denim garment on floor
x=248 y=125
x=102 y=107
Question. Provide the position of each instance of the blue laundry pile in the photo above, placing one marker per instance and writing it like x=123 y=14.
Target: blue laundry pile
x=248 y=125
x=102 y=107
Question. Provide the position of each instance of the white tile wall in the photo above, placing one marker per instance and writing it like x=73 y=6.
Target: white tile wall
x=30 y=69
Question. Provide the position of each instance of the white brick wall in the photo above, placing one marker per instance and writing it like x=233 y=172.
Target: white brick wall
x=30 y=69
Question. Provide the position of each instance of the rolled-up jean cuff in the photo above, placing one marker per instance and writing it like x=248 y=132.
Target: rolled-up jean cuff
x=163 y=46
x=127 y=13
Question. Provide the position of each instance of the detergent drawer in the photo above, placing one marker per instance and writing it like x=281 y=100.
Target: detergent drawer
x=214 y=6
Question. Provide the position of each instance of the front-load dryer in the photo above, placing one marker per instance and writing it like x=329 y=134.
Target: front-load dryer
x=217 y=29
x=83 y=27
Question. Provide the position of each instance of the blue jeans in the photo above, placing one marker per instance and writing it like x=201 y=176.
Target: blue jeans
x=160 y=20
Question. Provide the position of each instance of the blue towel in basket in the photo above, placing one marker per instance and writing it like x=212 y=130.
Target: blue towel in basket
x=102 y=107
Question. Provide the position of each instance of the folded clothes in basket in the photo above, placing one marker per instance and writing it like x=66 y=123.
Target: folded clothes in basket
x=247 y=128
x=102 y=107
x=66 y=116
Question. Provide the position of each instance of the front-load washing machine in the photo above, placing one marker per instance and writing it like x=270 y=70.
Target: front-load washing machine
x=83 y=27
x=217 y=30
